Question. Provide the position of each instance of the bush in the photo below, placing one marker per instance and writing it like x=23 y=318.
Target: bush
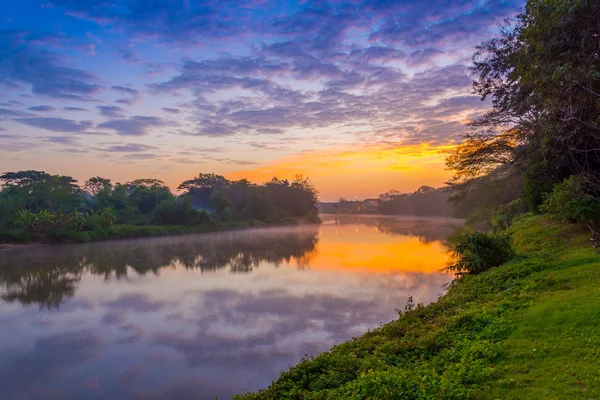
x=479 y=251
x=571 y=201
x=503 y=218
x=482 y=215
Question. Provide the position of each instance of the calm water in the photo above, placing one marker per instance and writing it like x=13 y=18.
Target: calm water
x=201 y=316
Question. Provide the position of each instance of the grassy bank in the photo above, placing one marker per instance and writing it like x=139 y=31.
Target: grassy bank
x=529 y=329
x=136 y=231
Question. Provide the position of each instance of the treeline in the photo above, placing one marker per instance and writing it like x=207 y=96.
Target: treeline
x=426 y=201
x=538 y=149
x=38 y=205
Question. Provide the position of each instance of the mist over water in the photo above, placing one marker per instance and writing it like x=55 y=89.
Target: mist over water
x=200 y=316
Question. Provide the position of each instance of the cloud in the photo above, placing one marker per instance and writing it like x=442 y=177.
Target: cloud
x=125 y=90
x=143 y=156
x=127 y=101
x=24 y=59
x=64 y=140
x=322 y=72
x=42 y=108
x=215 y=129
x=437 y=22
x=270 y=131
x=8 y=84
x=111 y=111
x=172 y=20
x=129 y=148
x=50 y=356
x=74 y=109
x=423 y=56
x=138 y=302
x=135 y=126
x=5 y=112
x=55 y=124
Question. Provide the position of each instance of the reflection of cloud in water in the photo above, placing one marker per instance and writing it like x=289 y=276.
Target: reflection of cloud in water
x=175 y=318
x=138 y=302
x=34 y=373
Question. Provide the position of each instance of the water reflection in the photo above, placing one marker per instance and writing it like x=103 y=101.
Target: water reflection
x=49 y=275
x=203 y=315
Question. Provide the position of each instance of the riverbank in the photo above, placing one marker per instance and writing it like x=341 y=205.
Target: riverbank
x=527 y=329
x=19 y=238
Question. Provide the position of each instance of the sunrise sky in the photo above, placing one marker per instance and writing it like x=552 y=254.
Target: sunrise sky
x=360 y=96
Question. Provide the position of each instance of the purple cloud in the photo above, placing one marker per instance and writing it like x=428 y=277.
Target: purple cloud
x=111 y=111
x=129 y=148
x=24 y=59
x=55 y=124
x=135 y=126
x=394 y=68
x=125 y=90
x=42 y=108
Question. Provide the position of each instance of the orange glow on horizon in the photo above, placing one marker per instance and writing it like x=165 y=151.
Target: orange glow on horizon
x=362 y=173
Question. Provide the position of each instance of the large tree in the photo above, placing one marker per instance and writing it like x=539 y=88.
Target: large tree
x=38 y=190
x=543 y=75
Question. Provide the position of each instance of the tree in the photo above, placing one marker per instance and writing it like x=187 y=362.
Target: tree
x=146 y=194
x=38 y=190
x=543 y=75
x=201 y=188
x=96 y=185
x=222 y=204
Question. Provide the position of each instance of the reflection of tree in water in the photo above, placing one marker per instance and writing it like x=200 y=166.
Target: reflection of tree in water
x=48 y=276
x=45 y=285
x=427 y=230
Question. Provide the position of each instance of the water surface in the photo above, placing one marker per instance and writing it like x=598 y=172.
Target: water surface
x=200 y=316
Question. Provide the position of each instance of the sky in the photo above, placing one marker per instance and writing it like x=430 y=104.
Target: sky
x=361 y=96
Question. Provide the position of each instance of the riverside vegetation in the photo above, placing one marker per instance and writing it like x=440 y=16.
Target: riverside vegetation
x=526 y=329
x=37 y=206
x=522 y=319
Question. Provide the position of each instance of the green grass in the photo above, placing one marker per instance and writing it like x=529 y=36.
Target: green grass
x=529 y=329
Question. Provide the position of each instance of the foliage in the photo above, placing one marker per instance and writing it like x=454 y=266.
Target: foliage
x=479 y=252
x=424 y=201
x=480 y=216
x=242 y=200
x=48 y=206
x=545 y=121
x=527 y=329
x=179 y=212
x=571 y=201
x=36 y=191
x=506 y=214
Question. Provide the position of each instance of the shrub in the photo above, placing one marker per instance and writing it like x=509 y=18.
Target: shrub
x=503 y=218
x=570 y=200
x=482 y=215
x=479 y=251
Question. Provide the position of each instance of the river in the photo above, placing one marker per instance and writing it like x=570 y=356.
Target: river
x=204 y=316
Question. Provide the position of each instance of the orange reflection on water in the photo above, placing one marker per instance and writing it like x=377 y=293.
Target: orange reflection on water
x=367 y=250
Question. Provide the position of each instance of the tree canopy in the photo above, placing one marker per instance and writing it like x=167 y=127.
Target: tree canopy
x=543 y=76
x=37 y=201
